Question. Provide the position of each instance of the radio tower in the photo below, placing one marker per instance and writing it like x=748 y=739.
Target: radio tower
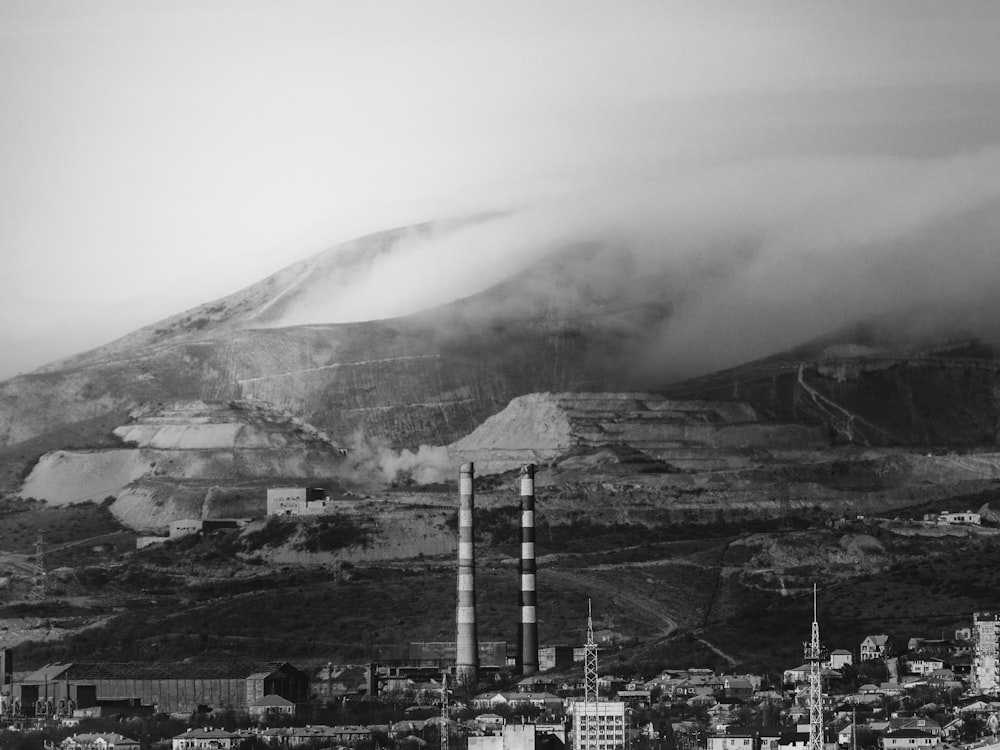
x=444 y=711
x=814 y=657
x=38 y=575
x=590 y=666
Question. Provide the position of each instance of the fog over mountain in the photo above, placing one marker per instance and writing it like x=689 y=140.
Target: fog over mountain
x=754 y=256
x=161 y=155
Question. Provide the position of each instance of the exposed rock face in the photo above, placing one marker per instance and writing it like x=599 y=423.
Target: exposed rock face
x=686 y=434
x=941 y=398
x=426 y=378
x=180 y=456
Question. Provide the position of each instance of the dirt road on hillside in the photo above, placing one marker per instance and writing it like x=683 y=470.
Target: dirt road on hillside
x=630 y=599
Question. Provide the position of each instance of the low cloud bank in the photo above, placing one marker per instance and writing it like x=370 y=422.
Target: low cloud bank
x=753 y=256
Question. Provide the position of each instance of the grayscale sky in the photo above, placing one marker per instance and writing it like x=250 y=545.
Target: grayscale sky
x=158 y=154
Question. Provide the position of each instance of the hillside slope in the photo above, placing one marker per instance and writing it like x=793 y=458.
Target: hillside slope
x=874 y=384
x=430 y=377
x=188 y=460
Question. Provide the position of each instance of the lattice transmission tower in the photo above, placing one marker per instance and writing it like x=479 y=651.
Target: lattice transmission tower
x=445 y=739
x=590 y=666
x=814 y=658
x=38 y=573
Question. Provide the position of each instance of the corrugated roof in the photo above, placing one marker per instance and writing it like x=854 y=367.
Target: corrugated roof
x=168 y=671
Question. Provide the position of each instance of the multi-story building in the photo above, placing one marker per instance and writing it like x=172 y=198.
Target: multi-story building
x=599 y=725
x=985 y=634
x=875 y=647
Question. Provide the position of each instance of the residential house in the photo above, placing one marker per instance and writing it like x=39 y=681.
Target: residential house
x=349 y=734
x=793 y=741
x=916 y=722
x=272 y=705
x=548 y=702
x=105 y=741
x=737 y=687
x=796 y=674
x=725 y=712
x=635 y=698
x=875 y=647
x=840 y=658
x=944 y=679
x=945 y=518
x=769 y=737
x=206 y=739
x=695 y=684
x=952 y=728
x=846 y=733
x=488 y=722
x=704 y=699
x=733 y=740
x=924 y=665
x=908 y=739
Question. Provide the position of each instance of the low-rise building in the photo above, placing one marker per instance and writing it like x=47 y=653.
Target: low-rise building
x=555 y=657
x=103 y=741
x=875 y=647
x=298 y=501
x=908 y=739
x=946 y=518
x=924 y=724
x=206 y=739
x=924 y=665
x=272 y=705
x=185 y=527
x=735 y=739
x=840 y=658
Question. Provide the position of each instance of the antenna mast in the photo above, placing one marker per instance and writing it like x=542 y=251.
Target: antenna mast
x=443 y=734
x=814 y=657
x=590 y=664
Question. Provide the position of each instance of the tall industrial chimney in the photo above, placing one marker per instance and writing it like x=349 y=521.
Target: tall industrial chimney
x=467 y=640
x=529 y=621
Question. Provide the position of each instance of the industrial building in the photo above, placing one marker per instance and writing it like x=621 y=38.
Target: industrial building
x=298 y=501
x=58 y=689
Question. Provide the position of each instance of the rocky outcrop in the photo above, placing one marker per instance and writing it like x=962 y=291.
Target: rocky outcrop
x=693 y=435
x=178 y=457
x=427 y=378
x=876 y=400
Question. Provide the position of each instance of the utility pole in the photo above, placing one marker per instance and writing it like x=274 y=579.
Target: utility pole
x=38 y=574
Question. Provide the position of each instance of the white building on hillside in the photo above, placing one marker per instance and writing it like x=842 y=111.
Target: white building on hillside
x=945 y=518
x=298 y=501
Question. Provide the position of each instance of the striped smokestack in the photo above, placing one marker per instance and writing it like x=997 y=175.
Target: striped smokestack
x=467 y=641
x=529 y=622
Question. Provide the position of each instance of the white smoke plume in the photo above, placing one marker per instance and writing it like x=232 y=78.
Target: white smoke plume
x=371 y=460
